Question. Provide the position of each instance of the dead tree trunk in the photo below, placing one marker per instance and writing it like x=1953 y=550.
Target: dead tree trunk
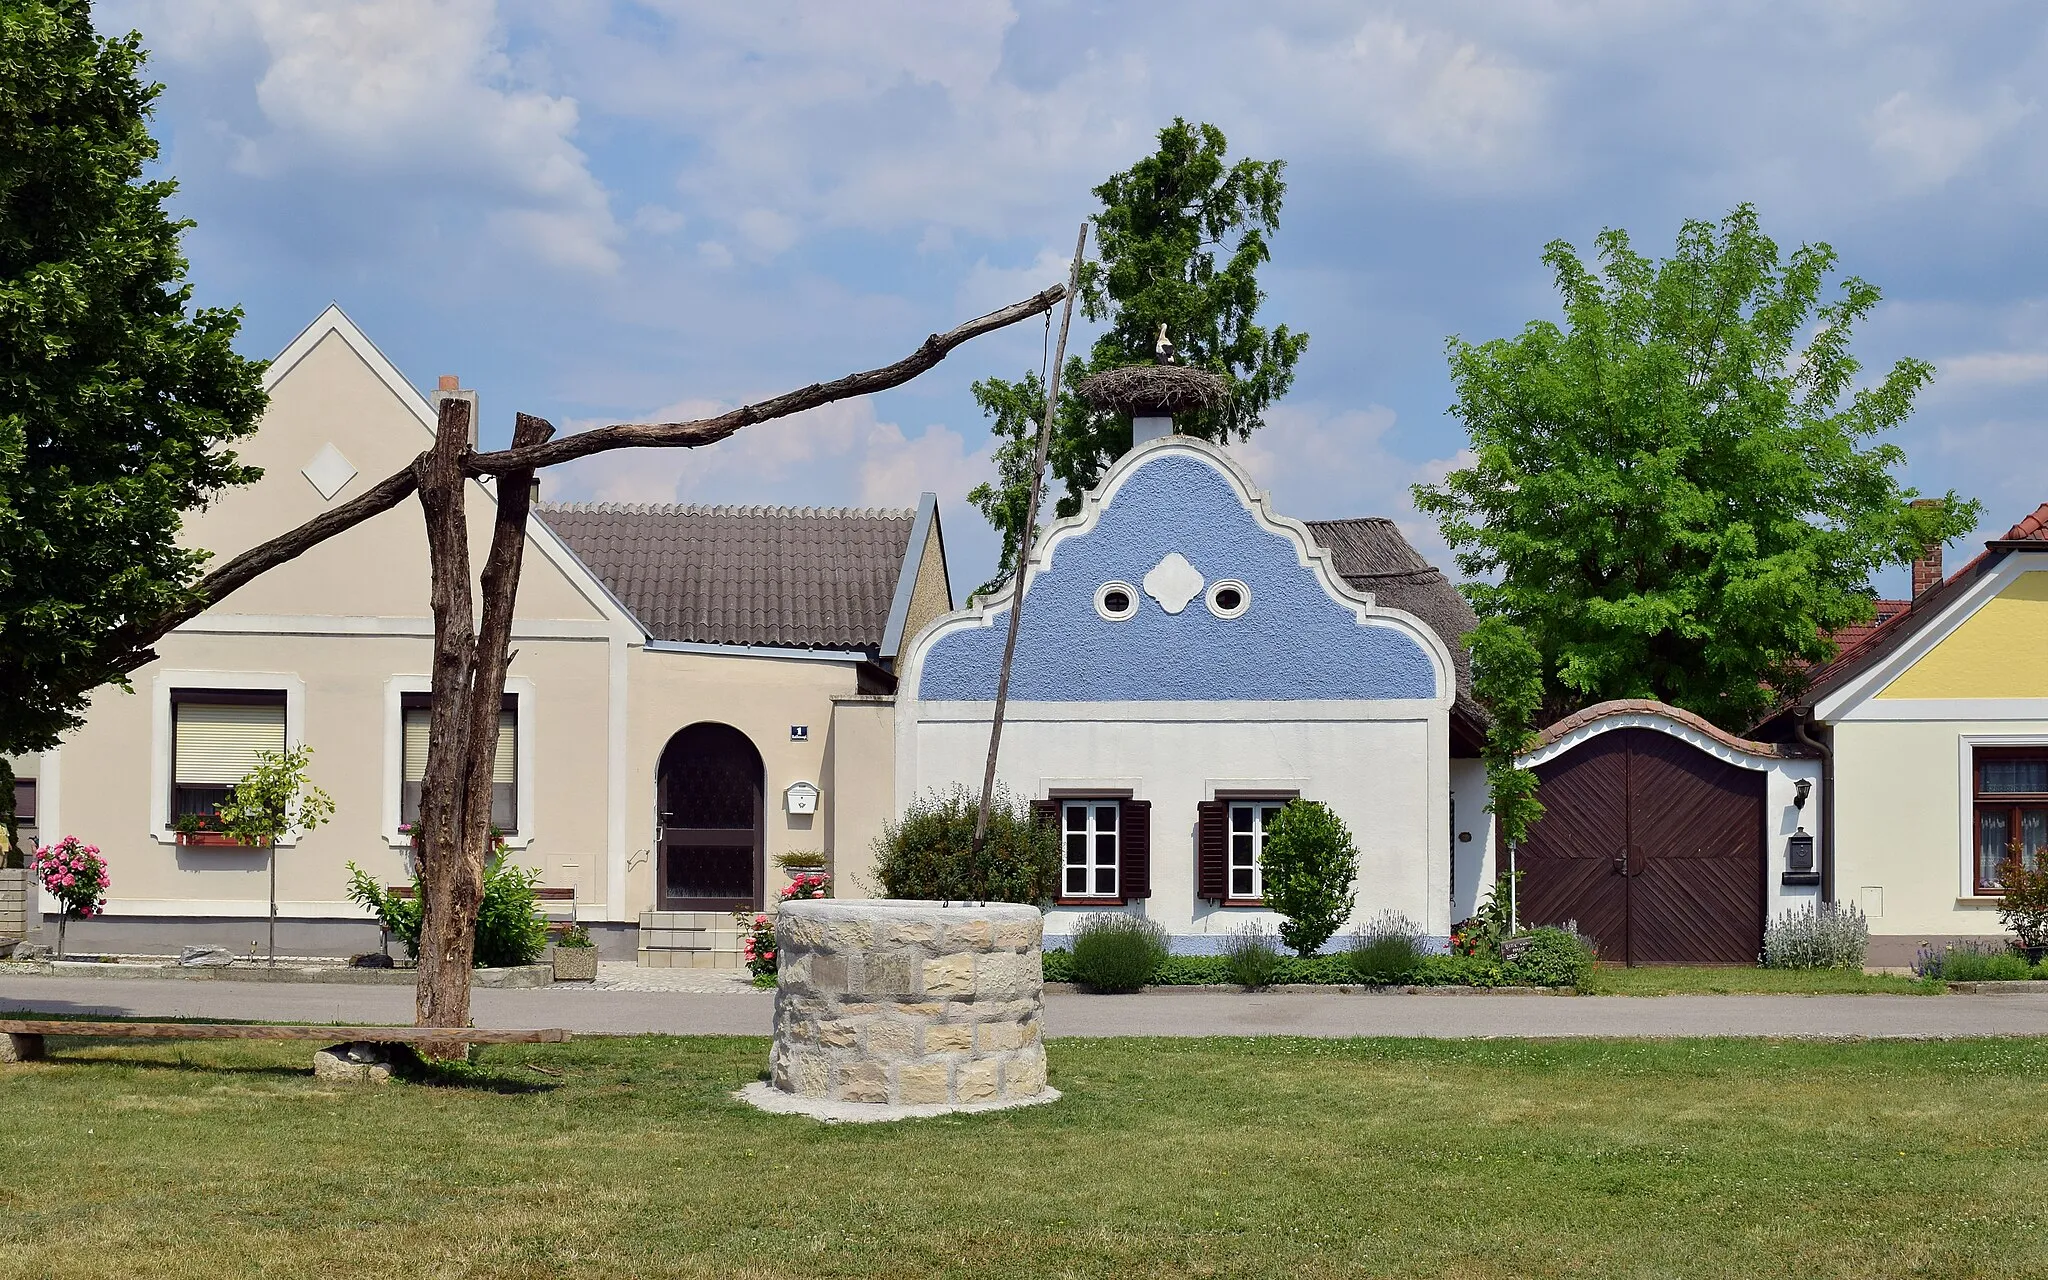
x=453 y=842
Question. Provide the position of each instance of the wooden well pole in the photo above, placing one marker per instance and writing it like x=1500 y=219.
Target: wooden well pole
x=1052 y=400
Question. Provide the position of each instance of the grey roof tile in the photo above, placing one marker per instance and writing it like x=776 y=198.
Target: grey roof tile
x=802 y=577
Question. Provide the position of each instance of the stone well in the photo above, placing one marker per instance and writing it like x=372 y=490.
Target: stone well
x=907 y=1005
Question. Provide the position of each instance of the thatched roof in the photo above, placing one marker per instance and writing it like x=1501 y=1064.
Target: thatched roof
x=1151 y=390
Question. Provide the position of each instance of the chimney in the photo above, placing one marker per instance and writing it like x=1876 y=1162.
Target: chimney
x=449 y=386
x=1927 y=565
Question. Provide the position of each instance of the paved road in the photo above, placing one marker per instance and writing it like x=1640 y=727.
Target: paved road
x=1160 y=1014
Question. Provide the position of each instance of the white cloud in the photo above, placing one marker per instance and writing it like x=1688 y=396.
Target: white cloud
x=1321 y=463
x=418 y=92
x=841 y=454
x=1991 y=368
x=1925 y=143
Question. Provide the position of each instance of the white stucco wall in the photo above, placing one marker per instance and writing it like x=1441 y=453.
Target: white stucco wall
x=1383 y=776
x=1902 y=814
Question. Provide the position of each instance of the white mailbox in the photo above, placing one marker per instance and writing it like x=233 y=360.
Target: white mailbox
x=800 y=797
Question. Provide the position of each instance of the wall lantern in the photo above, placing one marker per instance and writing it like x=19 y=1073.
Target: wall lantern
x=1800 y=790
x=802 y=797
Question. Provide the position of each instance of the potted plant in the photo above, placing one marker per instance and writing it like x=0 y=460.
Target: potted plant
x=2024 y=905
x=203 y=830
x=75 y=874
x=575 y=956
x=273 y=800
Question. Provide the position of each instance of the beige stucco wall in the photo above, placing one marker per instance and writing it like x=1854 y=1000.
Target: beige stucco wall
x=762 y=697
x=931 y=595
x=861 y=766
x=1901 y=801
x=110 y=774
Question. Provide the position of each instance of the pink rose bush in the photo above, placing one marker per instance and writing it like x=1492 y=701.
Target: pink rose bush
x=757 y=929
x=75 y=874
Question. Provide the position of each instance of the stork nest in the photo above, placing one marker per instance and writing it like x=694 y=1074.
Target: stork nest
x=1145 y=390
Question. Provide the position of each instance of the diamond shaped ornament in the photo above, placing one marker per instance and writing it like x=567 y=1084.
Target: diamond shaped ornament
x=1173 y=582
x=329 y=471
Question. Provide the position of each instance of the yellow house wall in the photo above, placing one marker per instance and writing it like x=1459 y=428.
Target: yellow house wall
x=1899 y=803
x=2001 y=651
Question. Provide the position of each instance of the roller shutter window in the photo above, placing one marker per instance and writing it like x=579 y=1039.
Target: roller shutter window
x=216 y=735
x=25 y=805
x=418 y=713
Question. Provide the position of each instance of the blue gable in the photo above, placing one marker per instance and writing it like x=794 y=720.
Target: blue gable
x=1293 y=642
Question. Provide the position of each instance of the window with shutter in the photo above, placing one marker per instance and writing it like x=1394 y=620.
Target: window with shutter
x=215 y=736
x=418 y=712
x=25 y=802
x=1088 y=850
x=1212 y=879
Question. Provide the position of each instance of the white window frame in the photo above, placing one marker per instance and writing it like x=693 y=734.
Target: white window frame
x=162 y=730
x=1966 y=804
x=521 y=690
x=1092 y=834
x=1257 y=837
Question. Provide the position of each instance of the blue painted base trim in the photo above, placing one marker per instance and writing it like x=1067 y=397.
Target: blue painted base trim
x=1214 y=944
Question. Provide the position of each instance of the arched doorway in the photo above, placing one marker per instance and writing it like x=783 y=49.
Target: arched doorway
x=709 y=790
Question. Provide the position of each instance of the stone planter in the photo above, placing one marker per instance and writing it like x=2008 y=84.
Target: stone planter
x=905 y=1008
x=574 y=964
x=19 y=915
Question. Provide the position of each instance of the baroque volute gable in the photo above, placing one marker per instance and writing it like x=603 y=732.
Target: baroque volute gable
x=1177 y=583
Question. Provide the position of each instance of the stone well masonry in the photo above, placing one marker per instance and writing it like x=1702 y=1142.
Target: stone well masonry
x=909 y=1003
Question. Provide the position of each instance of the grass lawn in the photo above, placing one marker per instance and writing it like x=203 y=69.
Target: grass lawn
x=1277 y=1157
x=1687 y=980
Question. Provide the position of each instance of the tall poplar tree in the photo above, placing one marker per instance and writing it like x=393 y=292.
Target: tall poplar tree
x=117 y=397
x=1181 y=237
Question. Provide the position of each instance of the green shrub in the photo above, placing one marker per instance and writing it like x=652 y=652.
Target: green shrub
x=1387 y=952
x=1250 y=959
x=1973 y=962
x=1116 y=952
x=509 y=928
x=1307 y=867
x=1825 y=935
x=1549 y=957
x=929 y=853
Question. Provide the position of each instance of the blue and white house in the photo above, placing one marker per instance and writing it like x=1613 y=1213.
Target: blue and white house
x=1188 y=660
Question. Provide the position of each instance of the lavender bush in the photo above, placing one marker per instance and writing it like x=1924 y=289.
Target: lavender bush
x=1826 y=935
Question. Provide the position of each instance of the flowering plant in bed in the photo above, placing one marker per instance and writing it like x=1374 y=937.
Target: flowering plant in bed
x=2024 y=905
x=757 y=929
x=75 y=874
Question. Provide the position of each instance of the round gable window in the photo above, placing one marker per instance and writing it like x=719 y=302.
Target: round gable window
x=1229 y=598
x=1116 y=601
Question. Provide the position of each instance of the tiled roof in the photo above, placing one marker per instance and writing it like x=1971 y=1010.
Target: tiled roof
x=1849 y=637
x=805 y=577
x=2032 y=529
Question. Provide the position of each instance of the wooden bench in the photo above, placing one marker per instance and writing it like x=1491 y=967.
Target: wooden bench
x=25 y=1036
x=541 y=894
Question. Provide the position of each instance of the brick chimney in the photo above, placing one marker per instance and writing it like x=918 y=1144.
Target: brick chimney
x=1927 y=565
x=451 y=385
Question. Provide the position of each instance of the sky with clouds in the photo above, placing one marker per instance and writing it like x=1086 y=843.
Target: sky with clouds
x=597 y=211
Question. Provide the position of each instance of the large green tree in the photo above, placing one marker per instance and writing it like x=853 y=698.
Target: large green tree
x=1181 y=238
x=117 y=397
x=1683 y=490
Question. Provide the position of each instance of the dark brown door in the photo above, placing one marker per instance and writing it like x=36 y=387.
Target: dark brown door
x=711 y=821
x=1655 y=847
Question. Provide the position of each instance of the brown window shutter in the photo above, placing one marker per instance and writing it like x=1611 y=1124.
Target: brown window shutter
x=1212 y=839
x=1135 y=850
x=1046 y=813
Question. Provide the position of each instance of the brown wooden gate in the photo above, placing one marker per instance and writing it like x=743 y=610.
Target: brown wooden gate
x=1654 y=846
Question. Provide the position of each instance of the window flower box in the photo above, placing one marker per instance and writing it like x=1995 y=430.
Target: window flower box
x=210 y=840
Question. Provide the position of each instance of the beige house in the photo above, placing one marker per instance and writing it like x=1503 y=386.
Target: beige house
x=696 y=691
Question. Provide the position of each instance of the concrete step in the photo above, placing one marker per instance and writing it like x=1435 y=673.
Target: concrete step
x=687 y=920
x=656 y=958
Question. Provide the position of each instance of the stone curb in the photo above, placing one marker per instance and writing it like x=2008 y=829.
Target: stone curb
x=1311 y=989
x=524 y=976
x=2002 y=987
